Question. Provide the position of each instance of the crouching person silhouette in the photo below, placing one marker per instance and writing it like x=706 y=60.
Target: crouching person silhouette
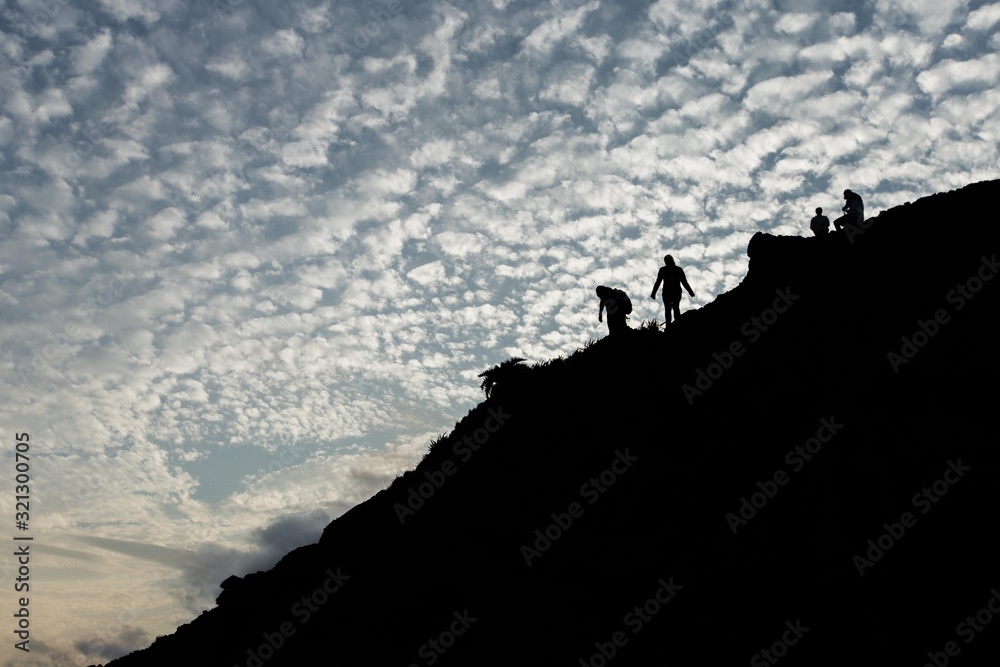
x=618 y=305
x=672 y=277
x=854 y=211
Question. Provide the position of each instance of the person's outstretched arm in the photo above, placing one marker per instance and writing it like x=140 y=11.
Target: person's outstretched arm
x=656 y=286
x=600 y=312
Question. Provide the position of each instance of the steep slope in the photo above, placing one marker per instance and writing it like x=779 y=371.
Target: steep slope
x=706 y=493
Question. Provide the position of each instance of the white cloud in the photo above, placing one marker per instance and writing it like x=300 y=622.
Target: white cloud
x=686 y=17
x=428 y=275
x=283 y=43
x=930 y=17
x=950 y=75
x=984 y=17
x=565 y=21
x=232 y=67
x=147 y=11
x=165 y=224
x=460 y=244
x=569 y=85
x=797 y=22
x=779 y=94
x=90 y=55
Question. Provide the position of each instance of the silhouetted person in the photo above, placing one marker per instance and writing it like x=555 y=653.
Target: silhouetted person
x=854 y=211
x=618 y=306
x=820 y=224
x=672 y=277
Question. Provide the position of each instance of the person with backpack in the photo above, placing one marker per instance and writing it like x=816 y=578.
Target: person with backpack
x=618 y=305
x=672 y=277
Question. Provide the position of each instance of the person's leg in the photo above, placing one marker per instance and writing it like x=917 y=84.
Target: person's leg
x=675 y=303
x=666 y=309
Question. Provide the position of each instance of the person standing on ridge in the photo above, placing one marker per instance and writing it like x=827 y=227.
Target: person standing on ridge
x=854 y=211
x=618 y=306
x=820 y=224
x=672 y=277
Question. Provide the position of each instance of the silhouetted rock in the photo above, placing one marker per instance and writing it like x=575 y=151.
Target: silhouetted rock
x=805 y=466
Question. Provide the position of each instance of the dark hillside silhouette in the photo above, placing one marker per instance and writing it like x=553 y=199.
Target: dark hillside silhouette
x=806 y=466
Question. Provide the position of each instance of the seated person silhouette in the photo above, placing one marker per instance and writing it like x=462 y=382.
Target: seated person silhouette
x=617 y=303
x=672 y=277
x=854 y=211
x=820 y=224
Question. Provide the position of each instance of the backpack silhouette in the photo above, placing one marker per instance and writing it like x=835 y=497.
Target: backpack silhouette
x=625 y=303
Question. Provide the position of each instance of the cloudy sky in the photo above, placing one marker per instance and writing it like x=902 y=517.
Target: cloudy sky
x=254 y=254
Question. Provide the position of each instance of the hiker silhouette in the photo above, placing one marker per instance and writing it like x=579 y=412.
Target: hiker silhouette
x=820 y=224
x=618 y=305
x=854 y=211
x=672 y=277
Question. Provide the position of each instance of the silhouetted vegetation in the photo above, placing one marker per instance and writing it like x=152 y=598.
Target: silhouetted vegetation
x=505 y=372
